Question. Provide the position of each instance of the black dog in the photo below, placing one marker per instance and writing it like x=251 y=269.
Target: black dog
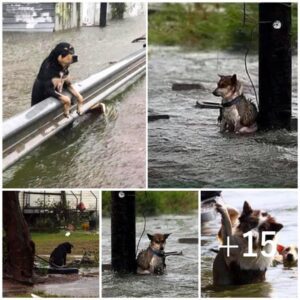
x=54 y=76
x=59 y=254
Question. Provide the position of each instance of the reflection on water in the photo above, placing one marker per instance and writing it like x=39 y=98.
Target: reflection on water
x=188 y=151
x=280 y=282
x=96 y=151
x=181 y=279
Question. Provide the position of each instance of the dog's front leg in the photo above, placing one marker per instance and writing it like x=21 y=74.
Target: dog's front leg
x=223 y=125
x=226 y=223
x=78 y=96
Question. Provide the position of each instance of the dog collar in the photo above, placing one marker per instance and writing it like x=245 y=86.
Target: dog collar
x=233 y=102
x=157 y=253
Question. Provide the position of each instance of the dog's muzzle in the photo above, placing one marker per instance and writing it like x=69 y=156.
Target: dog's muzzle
x=215 y=93
x=74 y=58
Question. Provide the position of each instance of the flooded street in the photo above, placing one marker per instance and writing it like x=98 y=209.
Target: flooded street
x=280 y=282
x=84 y=285
x=181 y=279
x=188 y=150
x=97 y=151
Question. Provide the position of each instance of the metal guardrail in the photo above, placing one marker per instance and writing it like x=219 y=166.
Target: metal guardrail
x=27 y=130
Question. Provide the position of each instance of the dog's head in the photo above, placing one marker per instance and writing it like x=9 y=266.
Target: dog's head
x=68 y=247
x=289 y=255
x=64 y=54
x=257 y=221
x=158 y=241
x=227 y=87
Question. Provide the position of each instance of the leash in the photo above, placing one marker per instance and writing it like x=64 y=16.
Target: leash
x=45 y=260
x=145 y=222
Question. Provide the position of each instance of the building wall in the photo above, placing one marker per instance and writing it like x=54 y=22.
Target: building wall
x=45 y=17
x=91 y=12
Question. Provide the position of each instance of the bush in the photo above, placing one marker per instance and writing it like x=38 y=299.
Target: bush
x=155 y=203
x=214 y=26
x=117 y=10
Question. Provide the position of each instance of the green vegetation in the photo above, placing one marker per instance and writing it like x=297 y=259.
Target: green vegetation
x=46 y=242
x=117 y=10
x=214 y=26
x=155 y=203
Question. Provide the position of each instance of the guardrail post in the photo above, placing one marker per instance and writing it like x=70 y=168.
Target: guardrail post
x=123 y=232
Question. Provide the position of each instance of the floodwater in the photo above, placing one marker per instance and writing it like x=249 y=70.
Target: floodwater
x=84 y=285
x=96 y=48
x=188 y=150
x=181 y=279
x=96 y=151
x=280 y=282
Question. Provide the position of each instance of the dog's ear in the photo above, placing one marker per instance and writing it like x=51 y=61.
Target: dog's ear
x=247 y=209
x=275 y=227
x=150 y=236
x=233 y=79
x=166 y=235
x=220 y=75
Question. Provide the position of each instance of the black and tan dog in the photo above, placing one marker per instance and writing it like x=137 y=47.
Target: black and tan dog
x=152 y=260
x=58 y=256
x=238 y=114
x=53 y=76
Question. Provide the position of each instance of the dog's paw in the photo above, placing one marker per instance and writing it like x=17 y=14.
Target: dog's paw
x=67 y=115
x=220 y=206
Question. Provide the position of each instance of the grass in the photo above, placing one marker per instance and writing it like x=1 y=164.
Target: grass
x=155 y=203
x=213 y=26
x=46 y=242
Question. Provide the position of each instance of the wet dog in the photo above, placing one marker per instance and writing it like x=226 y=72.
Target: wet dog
x=288 y=256
x=59 y=254
x=244 y=265
x=238 y=114
x=152 y=260
x=53 y=77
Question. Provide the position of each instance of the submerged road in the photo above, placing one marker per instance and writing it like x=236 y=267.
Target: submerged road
x=96 y=48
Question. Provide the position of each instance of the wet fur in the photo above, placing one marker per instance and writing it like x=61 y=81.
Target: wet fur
x=53 y=77
x=240 y=117
x=147 y=261
x=58 y=256
x=237 y=269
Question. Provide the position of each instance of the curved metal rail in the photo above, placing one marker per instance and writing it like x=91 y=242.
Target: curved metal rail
x=27 y=130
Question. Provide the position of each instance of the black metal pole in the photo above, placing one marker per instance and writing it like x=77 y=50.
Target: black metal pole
x=103 y=14
x=275 y=65
x=123 y=232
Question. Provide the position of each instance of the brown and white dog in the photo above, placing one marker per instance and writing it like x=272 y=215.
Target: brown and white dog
x=238 y=114
x=288 y=256
x=152 y=260
x=238 y=268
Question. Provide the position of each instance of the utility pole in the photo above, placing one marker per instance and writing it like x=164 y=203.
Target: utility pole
x=103 y=14
x=275 y=66
x=123 y=232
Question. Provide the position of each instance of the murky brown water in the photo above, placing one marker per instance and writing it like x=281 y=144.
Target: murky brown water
x=23 y=54
x=97 y=151
x=84 y=285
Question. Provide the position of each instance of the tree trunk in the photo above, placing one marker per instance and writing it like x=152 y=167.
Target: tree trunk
x=20 y=247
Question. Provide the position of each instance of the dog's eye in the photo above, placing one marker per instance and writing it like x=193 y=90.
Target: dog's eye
x=288 y=249
x=264 y=214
